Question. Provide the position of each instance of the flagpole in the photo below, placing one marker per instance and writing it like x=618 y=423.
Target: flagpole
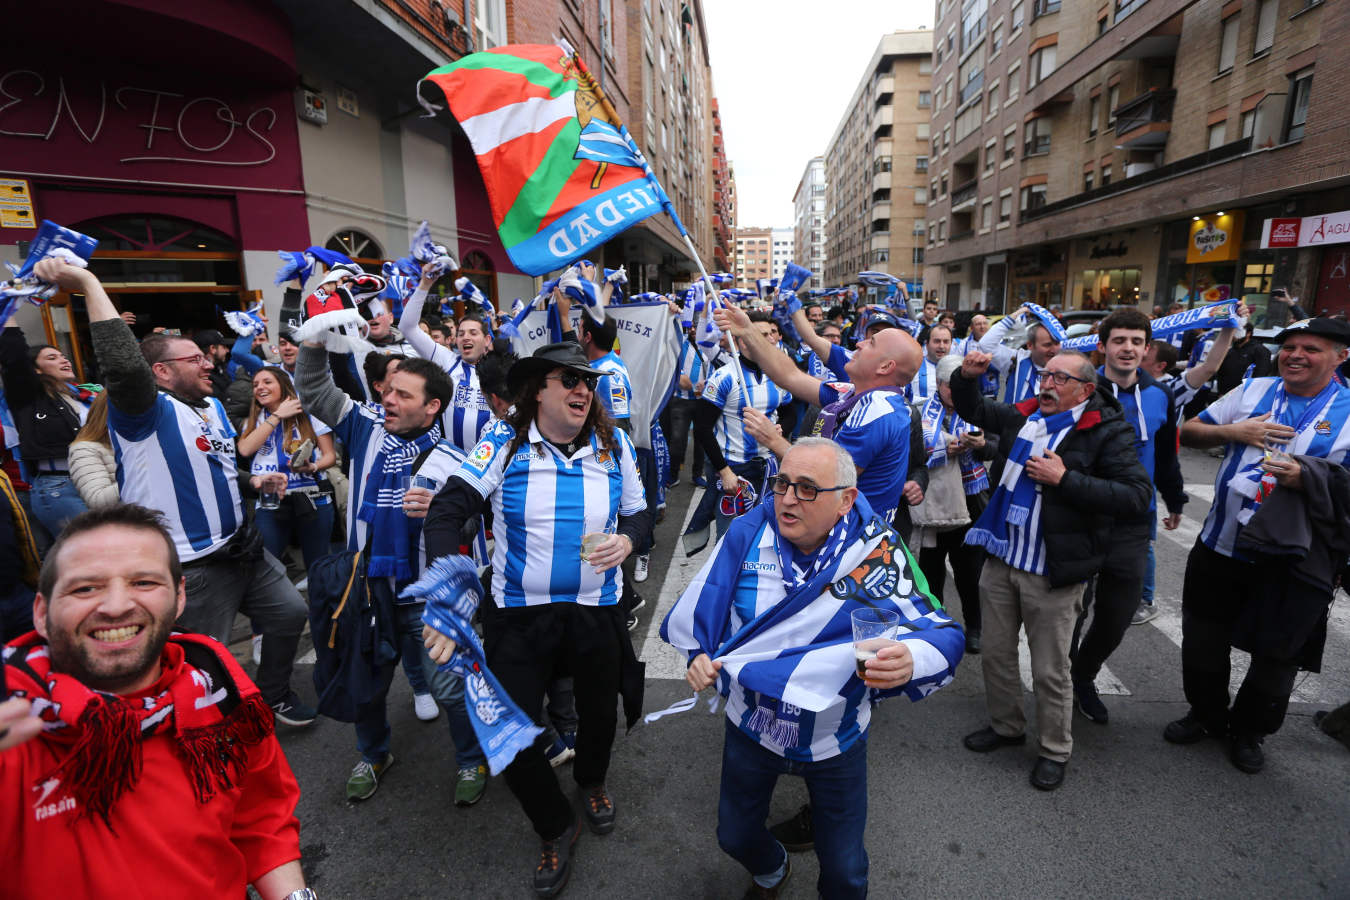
x=713 y=297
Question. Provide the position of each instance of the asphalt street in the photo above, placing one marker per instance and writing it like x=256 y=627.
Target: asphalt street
x=1136 y=817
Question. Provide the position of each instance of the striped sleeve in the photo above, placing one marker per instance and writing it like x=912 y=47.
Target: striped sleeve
x=634 y=498
x=483 y=468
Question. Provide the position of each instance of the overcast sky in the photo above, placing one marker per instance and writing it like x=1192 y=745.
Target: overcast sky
x=783 y=71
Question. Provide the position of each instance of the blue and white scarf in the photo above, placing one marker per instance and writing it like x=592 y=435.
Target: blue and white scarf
x=974 y=477
x=1015 y=496
x=1252 y=482
x=452 y=592
x=1048 y=319
x=798 y=655
x=393 y=535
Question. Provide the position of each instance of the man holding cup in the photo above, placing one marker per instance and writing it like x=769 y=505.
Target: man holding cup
x=769 y=621
x=398 y=462
x=1282 y=481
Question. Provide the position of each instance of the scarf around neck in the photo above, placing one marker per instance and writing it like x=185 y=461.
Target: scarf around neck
x=1253 y=483
x=974 y=477
x=202 y=701
x=392 y=536
x=837 y=412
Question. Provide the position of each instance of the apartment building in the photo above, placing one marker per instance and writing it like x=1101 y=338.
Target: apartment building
x=1138 y=152
x=724 y=199
x=808 y=221
x=876 y=165
x=754 y=255
x=780 y=250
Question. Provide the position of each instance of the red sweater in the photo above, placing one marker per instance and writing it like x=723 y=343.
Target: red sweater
x=164 y=845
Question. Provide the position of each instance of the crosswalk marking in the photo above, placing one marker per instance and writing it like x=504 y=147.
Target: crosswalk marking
x=664 y=661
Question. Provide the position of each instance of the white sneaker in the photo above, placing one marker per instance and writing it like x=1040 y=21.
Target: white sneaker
x=257 y=649
x=641 y=568
x=302 y=584
x=426 y=707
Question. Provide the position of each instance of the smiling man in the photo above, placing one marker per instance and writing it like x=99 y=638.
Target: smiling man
x=1067 y=470
x=1286 y=443
x=133 y=719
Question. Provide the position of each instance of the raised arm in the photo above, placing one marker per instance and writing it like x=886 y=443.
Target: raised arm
x=807 y=332
x=992 y=342
x=973 y=406
x=314 y=382
x=777 y=365
x=412 y=314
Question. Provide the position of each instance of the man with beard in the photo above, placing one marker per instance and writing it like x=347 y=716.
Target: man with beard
x=175 y=451
x=135 y=760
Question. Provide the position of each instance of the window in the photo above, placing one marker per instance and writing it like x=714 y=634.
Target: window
x=919 y=229
x=1041 y=65
x=1216 y=134
x=1112 y=101
x=1033 y=197
x=996 y=40
x=1228 y=43
x=972 y=77
x=946 y=136
x=990 y=156
x=921 y=131
x=920 y=196
x=1125 y=7
x=1044 y=8
x=1249 y=123
x=1300 y=89
x=1087 y=181
x=1265 y=26
x=1094 y=109
x=1005 y=209
x=920 y=164
x=1106 y=175
x=1036 y=137
x=1017 y=17
x=925 y=99
x=1013 y=80
x=987 y=215
x=918 y=256
x=973 y=15
x=488 y=19
x=992 y=106
x=925 y=66
x=942 y=192
x=1009 y=146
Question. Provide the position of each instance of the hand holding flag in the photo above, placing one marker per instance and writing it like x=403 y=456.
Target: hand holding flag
x=424 y=250
x=247 y=323
x=584 y=291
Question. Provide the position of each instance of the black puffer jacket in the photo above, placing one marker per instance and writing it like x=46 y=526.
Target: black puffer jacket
x=1105 y=479
x=46 y=424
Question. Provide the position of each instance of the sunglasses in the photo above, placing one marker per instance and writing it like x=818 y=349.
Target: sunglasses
x=571 y=379
x=805 y=490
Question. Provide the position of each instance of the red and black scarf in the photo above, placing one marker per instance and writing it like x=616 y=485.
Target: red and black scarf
x=203 y=701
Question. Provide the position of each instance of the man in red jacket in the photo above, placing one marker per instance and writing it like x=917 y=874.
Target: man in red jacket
x=135 y=762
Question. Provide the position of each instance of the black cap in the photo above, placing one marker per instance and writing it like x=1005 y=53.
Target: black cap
x=1331 y=329
x=882 y=320
x=209 y=337
x=565 y=354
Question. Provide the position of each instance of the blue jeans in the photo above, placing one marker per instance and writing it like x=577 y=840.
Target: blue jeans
x=1146 y=596
x=838 y=790
x=55 y=501
x=372 y=725
x=313 y=532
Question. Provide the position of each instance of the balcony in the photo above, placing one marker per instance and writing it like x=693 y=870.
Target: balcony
x=961 y=235
x=964 y=195
x=884 y=118
x=883 y=90
x=1145 y=121
x=882 y=150
x=881 y=182
x=881 y=240
x=880 y=211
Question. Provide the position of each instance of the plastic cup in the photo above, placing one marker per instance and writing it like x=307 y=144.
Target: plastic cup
x=590 y=543
x=269 y=498
x=872 y=630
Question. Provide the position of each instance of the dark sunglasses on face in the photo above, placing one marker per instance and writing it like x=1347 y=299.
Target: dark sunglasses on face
x=571 y=379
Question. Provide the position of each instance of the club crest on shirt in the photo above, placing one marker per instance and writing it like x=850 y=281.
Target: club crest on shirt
x=1323 y=428
x=606 y=459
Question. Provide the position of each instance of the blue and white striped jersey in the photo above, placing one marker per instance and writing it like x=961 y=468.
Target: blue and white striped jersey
x=832 y=731
x=923 y=385
x=469 y=411
x=272 y=455
x=691 y=365
x=615 y=390
x=542 y=504
x=876 y=434
x=721 y=390
x=1324 y=432
x=180 y=460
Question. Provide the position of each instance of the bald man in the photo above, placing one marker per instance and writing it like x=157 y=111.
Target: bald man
x=868 y=415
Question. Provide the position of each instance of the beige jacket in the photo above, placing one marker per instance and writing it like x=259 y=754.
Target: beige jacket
x=94 y=471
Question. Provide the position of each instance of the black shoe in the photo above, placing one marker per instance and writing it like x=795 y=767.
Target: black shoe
x=795 y=834
x=973 y=643
x=1048 y=774
x=1089 y=704
x=631 y=621
x=291 y=710
x=555 y=862
x=1189 y=729
x=1245 y=753
x=598 y=809
x=987 y=739
x=755 y=892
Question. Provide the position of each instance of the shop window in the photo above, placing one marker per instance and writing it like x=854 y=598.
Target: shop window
x=146 y=233
x=1256 y=278
x=356 y=244
x=1106 y=288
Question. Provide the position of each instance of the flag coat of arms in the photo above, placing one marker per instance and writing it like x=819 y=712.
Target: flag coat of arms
x=563 y=175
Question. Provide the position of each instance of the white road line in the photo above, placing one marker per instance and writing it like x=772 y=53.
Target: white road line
x=664 y=661
x=1106 y=682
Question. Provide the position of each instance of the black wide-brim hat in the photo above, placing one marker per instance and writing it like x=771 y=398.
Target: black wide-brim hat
x=1331 y=329
x=564 y=354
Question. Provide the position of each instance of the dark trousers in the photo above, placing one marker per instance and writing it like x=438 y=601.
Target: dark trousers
x=646 y=461
x=1112 y=596
x=527 y=647
x=1216 y=593
x=967 y=561
x=677 y=421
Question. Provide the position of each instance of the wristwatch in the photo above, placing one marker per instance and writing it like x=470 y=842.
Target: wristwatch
x=302 y=894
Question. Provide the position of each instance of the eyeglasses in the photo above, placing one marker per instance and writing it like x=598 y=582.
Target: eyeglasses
x=571 y=379
x=1059 y=378
x=805 y=490
x=198 y=360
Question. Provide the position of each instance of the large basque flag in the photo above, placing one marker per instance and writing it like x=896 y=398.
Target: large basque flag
x=562 y=174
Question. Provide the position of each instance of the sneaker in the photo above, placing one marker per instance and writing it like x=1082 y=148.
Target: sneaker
x=638 y=602
x=673 y=482
x=290 y=710
x=1190 y=729
x=700 y=481
x=365 y=778
x=470 y=784
x=598 y=809
x=257 y=649
x=558 y=752
x=1089 y=704
x=1245 y=753
x=555 y=862
x=302 y=585
x=426 y=707
x=1146 y=612
x=795 y=834
x=642 y=567
x=631 y=621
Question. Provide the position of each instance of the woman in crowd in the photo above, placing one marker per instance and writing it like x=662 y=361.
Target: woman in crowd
x=49 y=408
x=93 y=467
x=276 y=429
